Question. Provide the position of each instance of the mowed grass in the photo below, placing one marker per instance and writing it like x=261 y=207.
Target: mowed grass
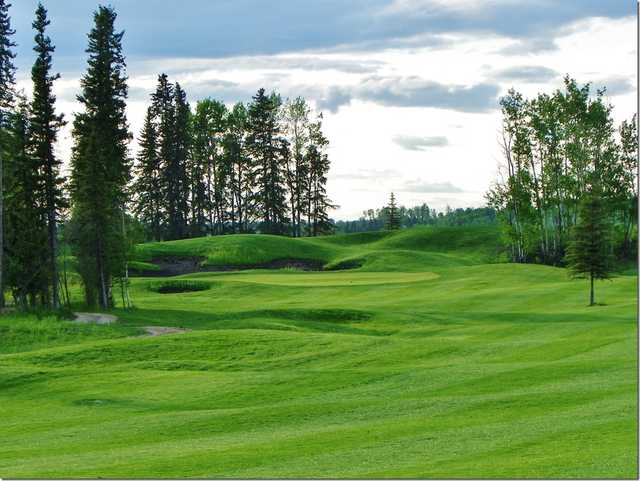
x=442 y=366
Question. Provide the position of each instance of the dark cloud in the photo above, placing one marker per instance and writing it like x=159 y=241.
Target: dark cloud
x=231 y=28
x=410 y=142
x=526 y=74
x=430 y=188
x=414 y=92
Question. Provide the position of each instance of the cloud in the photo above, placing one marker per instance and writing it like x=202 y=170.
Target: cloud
x=526 y=74
x=420 y=144
x=414 y=92
x=366 y=174
x=419 y=186
x=226 y=28
x=616 y=85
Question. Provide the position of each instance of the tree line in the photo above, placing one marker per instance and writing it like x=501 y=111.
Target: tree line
x=260 y=167
x=557 y=147
x=404 y=217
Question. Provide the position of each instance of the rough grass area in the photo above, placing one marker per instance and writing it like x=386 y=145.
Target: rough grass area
x=427 y=361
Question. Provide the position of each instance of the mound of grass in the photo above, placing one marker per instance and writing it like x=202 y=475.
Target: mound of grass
x=175 y=286
x=473 y=244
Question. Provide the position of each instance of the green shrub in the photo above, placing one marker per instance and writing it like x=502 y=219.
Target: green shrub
x=176 y=286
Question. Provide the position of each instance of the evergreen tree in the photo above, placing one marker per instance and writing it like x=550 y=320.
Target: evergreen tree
x=392 y=214
x=43 y=132
x=163 y=108
x=316 y=169
x=26 y=229
x=147 y=188
x=590 y=253
x=265 y=145
x=100 y=165
x=178 y=180
x=7 y=83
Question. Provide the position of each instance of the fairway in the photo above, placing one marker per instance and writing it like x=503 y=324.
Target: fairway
x=446 y=363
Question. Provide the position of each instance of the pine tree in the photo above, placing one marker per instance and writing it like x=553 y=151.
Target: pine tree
x=7 y=83
x=26 y=229
x=147 y=188
x=316 y=170
x=265 y=146
x=163 y=108
x=392 y=215
x=590 y=253
x=43 y=132
x=178 y=179
x=100 y=164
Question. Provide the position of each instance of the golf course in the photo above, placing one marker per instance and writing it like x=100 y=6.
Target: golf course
x=417 y=353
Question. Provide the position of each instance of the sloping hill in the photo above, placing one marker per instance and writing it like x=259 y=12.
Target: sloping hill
x=413 y=249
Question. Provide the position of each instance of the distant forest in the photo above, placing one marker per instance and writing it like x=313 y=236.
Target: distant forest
x=378 y=219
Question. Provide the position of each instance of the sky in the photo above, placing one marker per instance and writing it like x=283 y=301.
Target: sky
x=409 y=89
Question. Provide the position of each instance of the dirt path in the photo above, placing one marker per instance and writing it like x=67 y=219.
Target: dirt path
x=95 y=318
x=153 y=331
x=162 y=331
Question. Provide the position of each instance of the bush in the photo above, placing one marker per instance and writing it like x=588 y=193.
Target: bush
x=176 y=286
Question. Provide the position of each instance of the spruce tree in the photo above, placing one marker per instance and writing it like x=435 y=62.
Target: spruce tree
x=177 y=175
x=392 y=221
x=147 y=188
x=590 y=253
x=100 y=164
x=43 y=132
x=265 y=146
x=7 y=83
x=316 y=170
x=26 y=229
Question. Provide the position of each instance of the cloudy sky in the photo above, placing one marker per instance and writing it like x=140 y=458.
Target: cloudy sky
x=409 y=89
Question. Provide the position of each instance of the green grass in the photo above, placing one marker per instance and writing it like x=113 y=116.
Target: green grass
x=425 y=362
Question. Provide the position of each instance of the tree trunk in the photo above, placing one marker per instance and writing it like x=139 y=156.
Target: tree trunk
x=53 y=248
x=592 y=301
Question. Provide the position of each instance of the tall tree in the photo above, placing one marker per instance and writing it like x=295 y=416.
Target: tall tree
x=296 y=125
x=315 y=173
x=7 y=83
x=147 y=188
x=178 y=180
x=44 y=127
x=26 y=229
x=265 y=145
x=590 y=253
x=208 y=172
x=235 y=152
x=100 y=164
x=163 y=108
x=392 y=221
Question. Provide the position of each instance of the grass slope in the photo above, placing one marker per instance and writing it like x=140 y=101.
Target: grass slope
x=437 y=366
x=376 y=251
